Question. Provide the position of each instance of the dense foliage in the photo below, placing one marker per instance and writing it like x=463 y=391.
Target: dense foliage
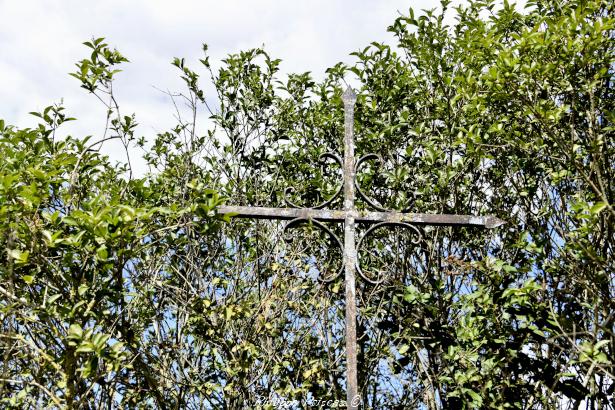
x=131 y=292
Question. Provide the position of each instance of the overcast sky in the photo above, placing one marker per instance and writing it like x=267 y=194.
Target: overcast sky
x=41 y=40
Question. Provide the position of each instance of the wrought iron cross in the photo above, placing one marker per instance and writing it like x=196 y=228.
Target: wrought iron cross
x=351 y=216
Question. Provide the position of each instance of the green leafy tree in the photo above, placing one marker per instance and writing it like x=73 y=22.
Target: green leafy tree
x=133 y=293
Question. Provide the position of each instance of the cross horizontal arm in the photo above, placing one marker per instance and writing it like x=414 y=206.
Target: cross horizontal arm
x=360 y=216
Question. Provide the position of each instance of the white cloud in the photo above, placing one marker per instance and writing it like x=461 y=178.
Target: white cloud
x=40 y=42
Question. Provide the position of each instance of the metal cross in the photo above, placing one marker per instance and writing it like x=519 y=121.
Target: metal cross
x=351 y=216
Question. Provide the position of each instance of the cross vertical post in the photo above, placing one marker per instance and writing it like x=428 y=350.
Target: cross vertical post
x=350 y=251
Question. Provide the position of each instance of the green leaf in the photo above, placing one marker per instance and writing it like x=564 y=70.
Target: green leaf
x=597 y=208
x=85 y=347
x=19 y=256
x=83 y=288
x=53 y=298
x=75 y=332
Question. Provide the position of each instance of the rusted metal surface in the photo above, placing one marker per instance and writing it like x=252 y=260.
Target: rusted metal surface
x=350 y=216
x=366 y=217
x=350 y=251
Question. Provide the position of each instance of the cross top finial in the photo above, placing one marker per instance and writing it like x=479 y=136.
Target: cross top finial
x=349 y=97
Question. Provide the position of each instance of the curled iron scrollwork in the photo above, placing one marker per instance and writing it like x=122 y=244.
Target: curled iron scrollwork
x=337 y=193
x=362 y=194
x=371 y=229
x=299 y=221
